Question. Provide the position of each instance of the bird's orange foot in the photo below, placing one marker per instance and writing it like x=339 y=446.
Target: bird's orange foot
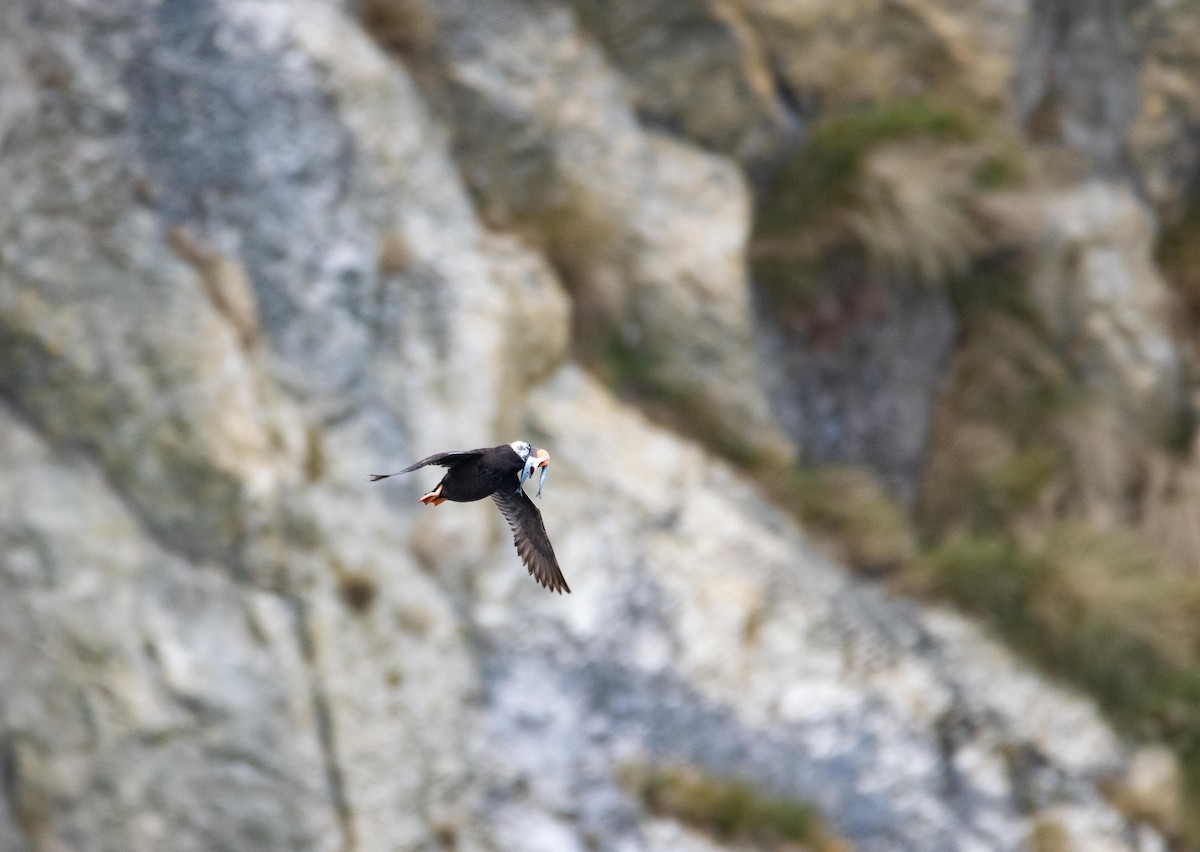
x=435 y=497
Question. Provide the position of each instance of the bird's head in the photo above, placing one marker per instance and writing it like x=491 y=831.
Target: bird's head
x=534 y=459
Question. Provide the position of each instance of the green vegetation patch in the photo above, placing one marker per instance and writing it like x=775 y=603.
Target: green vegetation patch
x=820 y=207
x=849 y=506
x=987 y=575
x=730 y=809
x=1001 y=441
x=1004 y=169
x=820 y=177
x=992 y=285
x=1093 y=608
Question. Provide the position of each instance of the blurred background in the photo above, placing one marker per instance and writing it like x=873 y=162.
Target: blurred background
x=862 y=335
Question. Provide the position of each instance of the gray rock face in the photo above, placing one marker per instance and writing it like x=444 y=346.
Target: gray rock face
x=857 y=381
x=1101 y=295
x=698 y=68
x=1078 y=66
x=649 y=233
x=239 y=271
x=710 y=633
x=148 y=701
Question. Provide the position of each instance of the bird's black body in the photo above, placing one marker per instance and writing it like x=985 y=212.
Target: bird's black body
x=475 y=474
x=496 y=472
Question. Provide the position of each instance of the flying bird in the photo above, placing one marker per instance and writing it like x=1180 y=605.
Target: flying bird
x=500 y=473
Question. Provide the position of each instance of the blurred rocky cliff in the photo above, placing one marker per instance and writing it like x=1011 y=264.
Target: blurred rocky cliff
x=917 y=277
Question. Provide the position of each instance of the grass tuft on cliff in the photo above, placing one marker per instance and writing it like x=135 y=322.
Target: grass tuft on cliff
x=820 y=177
x=1093 y=608
x=893 y=181
x=730 y=809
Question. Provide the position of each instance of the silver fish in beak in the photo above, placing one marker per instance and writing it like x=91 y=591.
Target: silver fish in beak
x=537 y=459
x=543 y=461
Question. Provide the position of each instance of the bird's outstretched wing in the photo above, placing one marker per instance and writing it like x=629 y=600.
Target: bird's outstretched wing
x=443 y=459
x=529 y=535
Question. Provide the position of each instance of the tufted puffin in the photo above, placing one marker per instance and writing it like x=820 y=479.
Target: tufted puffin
x=475 y=474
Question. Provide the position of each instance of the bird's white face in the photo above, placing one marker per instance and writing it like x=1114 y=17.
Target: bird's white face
x=522 y=449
